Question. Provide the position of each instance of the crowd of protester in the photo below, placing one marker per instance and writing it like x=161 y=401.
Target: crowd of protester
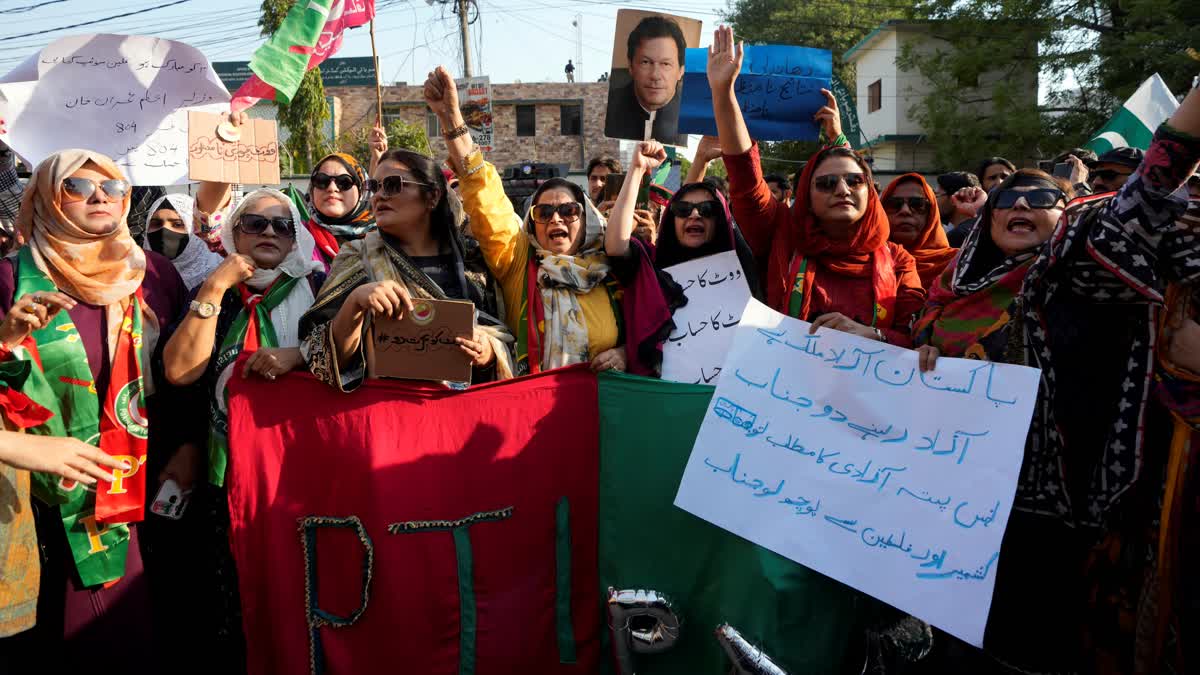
x=1093 y=277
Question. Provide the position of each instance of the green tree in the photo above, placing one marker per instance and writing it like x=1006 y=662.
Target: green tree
x=825 y=24
x=1089 y=56
x=400 y=134
x=305 y=116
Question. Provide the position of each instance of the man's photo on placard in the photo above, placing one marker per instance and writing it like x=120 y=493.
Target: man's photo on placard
x=647 y=75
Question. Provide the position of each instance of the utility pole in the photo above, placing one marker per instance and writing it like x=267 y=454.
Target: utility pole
x=578 y=23
x=463 y=21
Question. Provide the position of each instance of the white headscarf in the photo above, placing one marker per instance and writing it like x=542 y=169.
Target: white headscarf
x=195 y=262
x=298 y=264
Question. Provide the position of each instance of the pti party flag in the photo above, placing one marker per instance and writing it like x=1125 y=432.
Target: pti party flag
x=310 y=33
x=411 y=528
x=802 y=620
x=1134 y=124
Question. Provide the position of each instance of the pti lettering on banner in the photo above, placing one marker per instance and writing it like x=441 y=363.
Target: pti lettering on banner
x=837 y=452
x=716 y=291
x=125 y=96
x=253 y=159
x=778 y=89
x=421 y=344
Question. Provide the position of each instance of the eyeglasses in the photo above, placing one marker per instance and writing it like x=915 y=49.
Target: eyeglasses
x=321 y=181
x=84 y=188
x=915 y=204
x=542 y=213
x=392 y=185
x=705 y=209
x=1109 y=174
x=252 y=223
x=829 y=182
x=1044 y=198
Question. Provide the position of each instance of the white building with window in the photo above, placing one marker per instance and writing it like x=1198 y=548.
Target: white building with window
x=888 y=97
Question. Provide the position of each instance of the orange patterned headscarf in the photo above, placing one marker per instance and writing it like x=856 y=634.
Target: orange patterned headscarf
x=98 y=269
x=932 y=250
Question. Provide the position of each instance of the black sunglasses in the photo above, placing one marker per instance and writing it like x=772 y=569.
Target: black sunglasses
x=392 y=185
x=321 y=181
x=252 y=223
x=1109 y=174
x=829 y=182
x=542 y=213
x=84 y=188
x=915 y=204
x=1043 y=198
x=705 y=209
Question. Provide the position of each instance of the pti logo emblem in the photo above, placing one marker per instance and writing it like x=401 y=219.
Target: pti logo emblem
x=422 y=312
x=128 y=408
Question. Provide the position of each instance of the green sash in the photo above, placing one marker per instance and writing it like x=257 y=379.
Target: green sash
x=241 y=336
x=64 y=385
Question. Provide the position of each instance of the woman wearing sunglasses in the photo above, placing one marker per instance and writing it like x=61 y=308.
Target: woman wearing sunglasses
x=830 y=261
x=419 y=251
x=339 y=205
x=1076 y=290
x=251 y=302
x=169 y=233
x=915 y=223
x=558 y=292
x=85 y=311
x=695 y=223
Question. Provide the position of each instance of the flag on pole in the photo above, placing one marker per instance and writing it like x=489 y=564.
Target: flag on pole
x=310 y=33
x=1134 y=124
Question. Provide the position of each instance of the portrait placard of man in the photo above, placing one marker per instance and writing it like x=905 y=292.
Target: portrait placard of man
x=647 y=76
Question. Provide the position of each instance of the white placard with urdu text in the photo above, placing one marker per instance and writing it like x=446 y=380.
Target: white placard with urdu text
x=124 y=96
x=717 y=291
x=837 y=452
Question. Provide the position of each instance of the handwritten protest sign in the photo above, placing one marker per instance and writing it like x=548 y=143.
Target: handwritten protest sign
x=778 y=90
x=125 y=96
x=253 y=159
x=836 y=452
x=716 y=293
x=421 y=346
x=475 y=101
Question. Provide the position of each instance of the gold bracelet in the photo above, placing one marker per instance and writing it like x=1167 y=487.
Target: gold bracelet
x=456 y=132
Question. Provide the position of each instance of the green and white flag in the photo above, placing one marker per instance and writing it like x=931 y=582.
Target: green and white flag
x=1134 y=124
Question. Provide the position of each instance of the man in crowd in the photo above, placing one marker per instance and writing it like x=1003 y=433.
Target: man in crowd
x=780 y=189
x=1113 y=168
x=597 y=173
x=651 y=100
x=946 y=185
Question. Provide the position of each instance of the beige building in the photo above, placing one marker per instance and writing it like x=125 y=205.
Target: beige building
x=555 y=123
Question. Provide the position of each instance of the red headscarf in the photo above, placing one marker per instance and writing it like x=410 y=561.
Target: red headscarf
x=932 y=251
x=806 y=239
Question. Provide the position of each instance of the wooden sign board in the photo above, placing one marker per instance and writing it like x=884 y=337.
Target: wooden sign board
x=251 y=160
x=421 y=346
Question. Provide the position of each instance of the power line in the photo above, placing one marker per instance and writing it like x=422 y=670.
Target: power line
x=29 y=8
x=93 y=22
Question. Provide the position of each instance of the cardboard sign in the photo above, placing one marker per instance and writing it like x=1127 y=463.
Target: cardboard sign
x=253 y=159
x=778 y=89
x=421 y=346
x=124 y=96
x=643 y=96
x=837 y=452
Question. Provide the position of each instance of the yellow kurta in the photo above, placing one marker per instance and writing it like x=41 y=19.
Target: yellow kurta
x=505 y=246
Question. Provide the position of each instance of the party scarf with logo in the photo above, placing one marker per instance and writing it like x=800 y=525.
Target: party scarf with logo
x=251 y=330
x=94 y=517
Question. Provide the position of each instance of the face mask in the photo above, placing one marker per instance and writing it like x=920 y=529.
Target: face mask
x=168 y=242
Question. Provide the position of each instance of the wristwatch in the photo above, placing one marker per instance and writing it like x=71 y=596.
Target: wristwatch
x=206 y=310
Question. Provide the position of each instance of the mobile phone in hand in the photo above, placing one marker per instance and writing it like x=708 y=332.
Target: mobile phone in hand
x=1062 y=170
x=170 y=500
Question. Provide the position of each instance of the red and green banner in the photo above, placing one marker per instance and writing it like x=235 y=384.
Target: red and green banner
x=406 y=528
x=310 y=33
